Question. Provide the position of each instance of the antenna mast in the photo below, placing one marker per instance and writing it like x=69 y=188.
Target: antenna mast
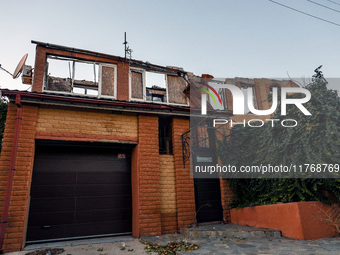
x=127 y=49
x=125 y=43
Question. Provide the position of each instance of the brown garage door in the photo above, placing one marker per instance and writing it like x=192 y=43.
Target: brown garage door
x=79 y=190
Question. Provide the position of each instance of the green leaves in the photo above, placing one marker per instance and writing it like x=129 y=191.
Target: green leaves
x=252 y=192
x=315 y=140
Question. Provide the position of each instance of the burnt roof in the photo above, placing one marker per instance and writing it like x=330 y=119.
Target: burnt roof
x=132 y=62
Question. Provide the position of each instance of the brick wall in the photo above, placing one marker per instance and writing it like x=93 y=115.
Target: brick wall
x=149 y=176
x=168 y=194
x=84 y=125
x=135 y=191
x=123 y=81
x=164 y=191
x=15 y=229
x=39 y=69
x=226 y=196
x=185 y=193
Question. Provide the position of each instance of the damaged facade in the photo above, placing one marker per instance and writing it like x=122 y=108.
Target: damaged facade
x=100 y=150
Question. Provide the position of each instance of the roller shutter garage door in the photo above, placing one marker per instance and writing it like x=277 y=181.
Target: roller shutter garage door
x=79 y=190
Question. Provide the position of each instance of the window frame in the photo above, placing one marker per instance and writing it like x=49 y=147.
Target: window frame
x=100 y=65
x=143 y=72
x=100 y=80
x=166 y=121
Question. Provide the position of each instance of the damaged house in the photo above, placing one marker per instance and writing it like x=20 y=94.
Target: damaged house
x=102 y=150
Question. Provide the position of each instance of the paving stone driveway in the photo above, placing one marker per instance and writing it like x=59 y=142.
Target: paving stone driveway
x=277 y=246
x=245 y=240
x=213 y=246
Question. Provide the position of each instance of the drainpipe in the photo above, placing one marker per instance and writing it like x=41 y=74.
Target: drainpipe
x=11 y=172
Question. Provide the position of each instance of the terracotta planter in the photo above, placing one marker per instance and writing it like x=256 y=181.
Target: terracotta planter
x=301 y=220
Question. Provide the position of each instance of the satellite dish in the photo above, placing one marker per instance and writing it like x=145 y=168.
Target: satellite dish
x=20 y=67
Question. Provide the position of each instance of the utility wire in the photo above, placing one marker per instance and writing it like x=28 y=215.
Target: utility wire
x=310 y=15
x=324 y=6
x=333 y=2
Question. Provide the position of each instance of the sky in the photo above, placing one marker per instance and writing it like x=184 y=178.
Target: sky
x=230 y=38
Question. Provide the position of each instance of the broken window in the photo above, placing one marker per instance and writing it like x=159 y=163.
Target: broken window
x=155 y=84
x=85 y=78
x=165 y=135
x=59 y=75
x=80 y=77
x=157 y=87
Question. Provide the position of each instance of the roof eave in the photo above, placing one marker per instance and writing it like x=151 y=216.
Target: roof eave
x=94 y=103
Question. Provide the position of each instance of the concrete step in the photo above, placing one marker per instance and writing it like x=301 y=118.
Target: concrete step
x=229 y=231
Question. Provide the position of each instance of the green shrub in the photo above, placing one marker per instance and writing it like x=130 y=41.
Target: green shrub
x=251 y=192
x=316 y=140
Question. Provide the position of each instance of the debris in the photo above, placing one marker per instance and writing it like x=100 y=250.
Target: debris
x=170 y=248
x=46 y=252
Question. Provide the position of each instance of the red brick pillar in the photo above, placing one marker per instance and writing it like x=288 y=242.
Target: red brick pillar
x=15 y=228
x=123 y=81
x=149 y=176
x=39 y=69
x=185 y=192
x=226 y=196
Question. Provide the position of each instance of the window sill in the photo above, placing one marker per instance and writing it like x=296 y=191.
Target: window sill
x=78 y=94
x=156 y=102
